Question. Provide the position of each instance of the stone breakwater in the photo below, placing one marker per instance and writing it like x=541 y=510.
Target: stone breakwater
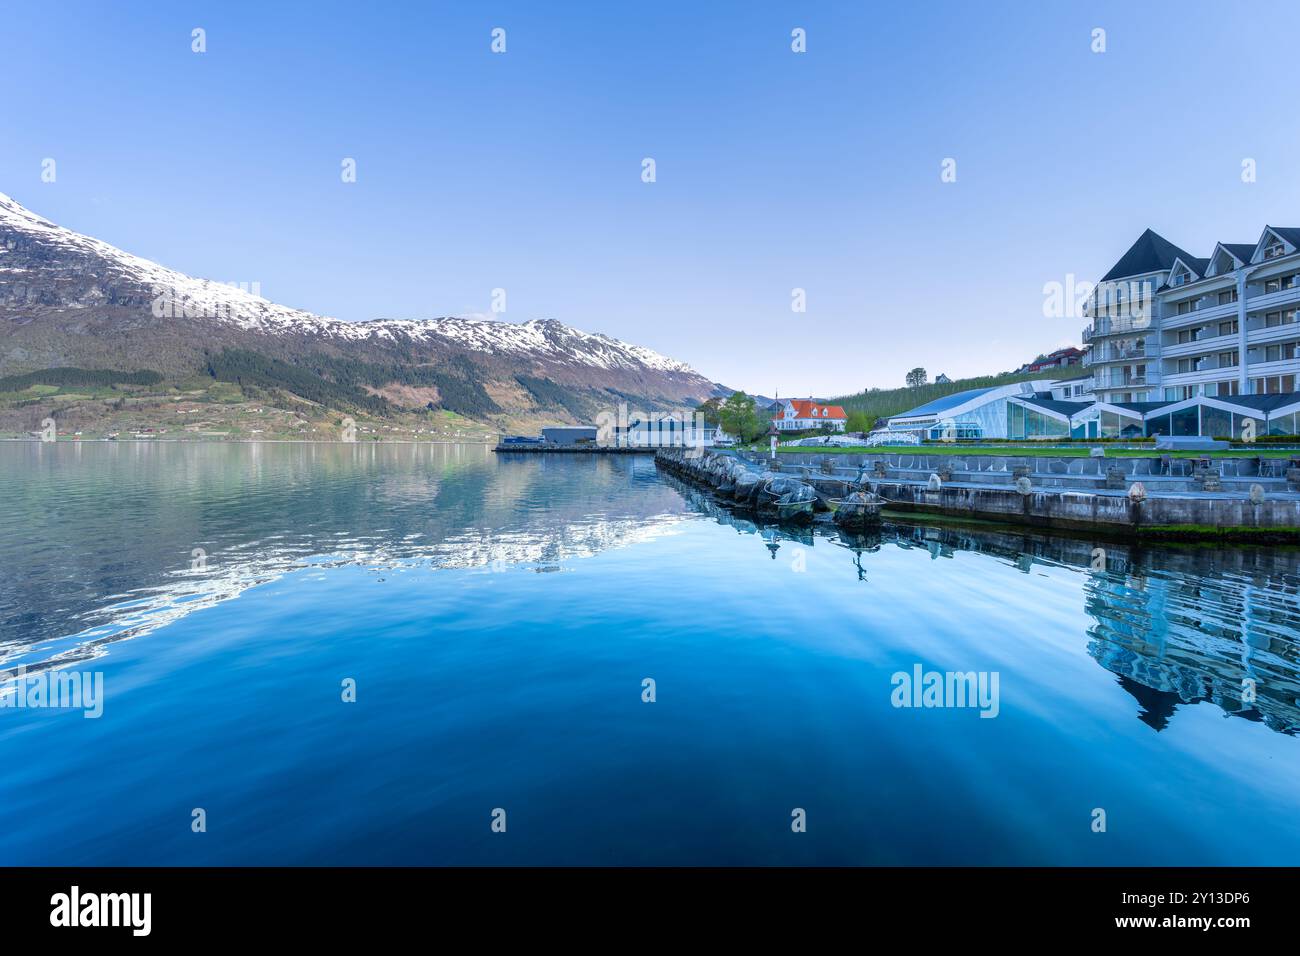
x=769 y=494
x=1247 y=498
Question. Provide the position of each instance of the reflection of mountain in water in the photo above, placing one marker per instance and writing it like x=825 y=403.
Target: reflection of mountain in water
x=115 y=541
x=1176 y=625
x=104 y=536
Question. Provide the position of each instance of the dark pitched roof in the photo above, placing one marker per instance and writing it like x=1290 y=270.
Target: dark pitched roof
x=1198 y=266
x=1290 y=234
x=1053 y=405
x=1263 y=403
x=1242 y=250
x=1151 y=253
x=1260 y=403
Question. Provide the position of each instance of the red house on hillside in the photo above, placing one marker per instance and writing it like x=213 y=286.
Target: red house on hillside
x=794 y=414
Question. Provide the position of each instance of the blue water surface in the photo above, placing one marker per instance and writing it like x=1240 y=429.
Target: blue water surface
x=499 y=616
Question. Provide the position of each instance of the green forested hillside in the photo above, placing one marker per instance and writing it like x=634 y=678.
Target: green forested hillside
x=340 y=382
x=78 y=376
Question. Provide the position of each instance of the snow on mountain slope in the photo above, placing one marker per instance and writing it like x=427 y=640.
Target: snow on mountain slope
x=60 y=276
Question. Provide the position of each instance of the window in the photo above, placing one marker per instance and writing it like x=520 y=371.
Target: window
x=1228 y=359
x=1189 y=335
x=1279 y=283
x=1185 y=307
x=1274 y=384
x=1228 y=328
x=1228 y=296
x=1274 y=250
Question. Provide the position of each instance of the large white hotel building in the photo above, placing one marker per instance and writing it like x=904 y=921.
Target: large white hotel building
x=1167 y=326
x=1178 y=346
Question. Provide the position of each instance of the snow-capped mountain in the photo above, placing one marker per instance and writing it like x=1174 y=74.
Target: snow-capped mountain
x=69 y=300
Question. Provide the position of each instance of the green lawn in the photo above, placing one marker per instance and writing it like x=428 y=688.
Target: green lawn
x=1029 y=451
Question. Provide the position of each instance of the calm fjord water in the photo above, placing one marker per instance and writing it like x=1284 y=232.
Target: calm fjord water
x=498 y=615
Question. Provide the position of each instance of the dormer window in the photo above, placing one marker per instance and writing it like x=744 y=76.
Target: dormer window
x=1275 y=250
x=1180 y=279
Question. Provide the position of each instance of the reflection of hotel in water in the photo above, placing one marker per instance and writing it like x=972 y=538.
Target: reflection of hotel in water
x=1193 y=631
x=1175 y=639
x=1177 y=626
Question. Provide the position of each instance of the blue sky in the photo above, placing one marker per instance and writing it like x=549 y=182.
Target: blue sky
x=775 y=170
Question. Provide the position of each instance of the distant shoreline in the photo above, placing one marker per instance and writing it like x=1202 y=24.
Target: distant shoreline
x=237 y=441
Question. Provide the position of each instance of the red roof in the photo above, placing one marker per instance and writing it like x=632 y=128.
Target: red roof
x=816 y=410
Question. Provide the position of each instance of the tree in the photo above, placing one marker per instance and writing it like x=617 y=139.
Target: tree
x=916 y=378
x=711 y=410
x=859 y=421
x=740 y=418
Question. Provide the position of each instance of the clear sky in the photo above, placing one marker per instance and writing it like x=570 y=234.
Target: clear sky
x=775 y=170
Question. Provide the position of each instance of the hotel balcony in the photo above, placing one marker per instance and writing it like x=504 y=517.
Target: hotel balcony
x=1199 y=377
x=1106 y=382
x=1258 y=333
x=1103 y=354
x=1208 y=313
x=1210 y=343
x=1210 y=363
x=1273 y=300
x=1117 y=325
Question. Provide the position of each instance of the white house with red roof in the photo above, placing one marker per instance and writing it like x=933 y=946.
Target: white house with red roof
x=795 y=414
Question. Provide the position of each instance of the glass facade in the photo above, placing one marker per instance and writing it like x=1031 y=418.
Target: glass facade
x=1185 y=422
x=1084 y=429
x=1210 y=422
x=955 y=431
x=991 y=418
x=1239 y=422
x=1019 y=420
x=1215 y=422
x=1284 y=424
x=1117 y=425
x=1025 y=423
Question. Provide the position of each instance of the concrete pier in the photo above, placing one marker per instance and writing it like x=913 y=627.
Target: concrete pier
x=1248 y=498
x=781 y=497
x=569 y=450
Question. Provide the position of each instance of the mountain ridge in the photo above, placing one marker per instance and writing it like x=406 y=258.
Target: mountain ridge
x=68 y=300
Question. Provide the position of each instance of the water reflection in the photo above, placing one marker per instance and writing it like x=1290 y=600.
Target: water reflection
x=113 y=541
x=1177 y=625
x=100 y=542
